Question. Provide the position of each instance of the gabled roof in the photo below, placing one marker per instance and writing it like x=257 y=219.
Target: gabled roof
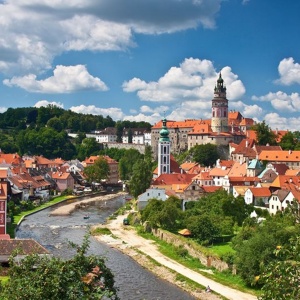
x=219 y=171
x=169 y=179
x=260 y=191
x=26 y=247
x=286 y=182
x=10 y=159
x=290 y=172
x=260 y=148
x=251 y=134
x=201 y=128
x=186 y=166
x=281 y=194
x=241 y=189
x=188 y=123
x=203 y=175
x=280 y=156
x=60 y=175
x=238 y=170
x=211 y=189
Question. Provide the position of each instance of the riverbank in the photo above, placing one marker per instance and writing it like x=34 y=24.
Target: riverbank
x=67 y=209
x=145 y=253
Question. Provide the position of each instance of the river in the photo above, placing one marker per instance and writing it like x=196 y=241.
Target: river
x=133 y=281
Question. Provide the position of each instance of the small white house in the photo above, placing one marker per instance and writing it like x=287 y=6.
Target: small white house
x=151 y=193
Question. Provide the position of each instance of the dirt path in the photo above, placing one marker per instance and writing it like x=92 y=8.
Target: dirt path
x=131 y=243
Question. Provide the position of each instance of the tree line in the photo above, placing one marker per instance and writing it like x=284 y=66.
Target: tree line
x=265 y=249
x=43 y=131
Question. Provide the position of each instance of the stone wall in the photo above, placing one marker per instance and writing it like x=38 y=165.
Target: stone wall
x=206 y=260
x=139 y=147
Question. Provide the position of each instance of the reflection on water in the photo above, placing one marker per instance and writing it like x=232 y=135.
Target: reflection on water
x=134 y=282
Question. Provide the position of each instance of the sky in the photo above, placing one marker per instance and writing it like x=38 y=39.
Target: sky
x=143 y=60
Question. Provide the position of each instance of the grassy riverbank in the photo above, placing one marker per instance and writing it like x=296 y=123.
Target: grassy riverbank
x=180 y=255
x=17 y=218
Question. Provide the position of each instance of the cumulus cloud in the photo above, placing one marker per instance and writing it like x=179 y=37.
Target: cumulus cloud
x=114 y=112
x=289 y=72
x=152 y=118
x=33 y=32
x=65 y=79
x=281 y=101
x=45 y=103
x=193 y=80
x=276 y=121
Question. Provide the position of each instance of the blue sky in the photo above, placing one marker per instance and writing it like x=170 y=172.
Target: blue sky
x=143 y=59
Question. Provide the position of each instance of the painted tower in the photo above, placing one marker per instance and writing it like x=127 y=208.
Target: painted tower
x=219 y=120
x=3 y=200
x=164 y=147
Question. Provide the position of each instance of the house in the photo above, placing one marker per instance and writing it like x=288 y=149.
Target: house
x=108 y=135
x=167 y=180
x=218 y=174
x=151 y=193
x=204 y=178
x=290 y=158
x=113 y=177
x=24 y=246
x=64 y=180
x=276 y=199
x=258 y=196
x=239 y=191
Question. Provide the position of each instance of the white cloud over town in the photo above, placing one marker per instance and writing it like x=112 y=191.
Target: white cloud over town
x=281 y=101
x=65 y=79
x=193 y=80
x=34 y=32
x=114 y=112
x=289 y=72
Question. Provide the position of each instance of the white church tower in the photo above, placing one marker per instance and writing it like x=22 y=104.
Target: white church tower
x=164 y=147
x=219 y=118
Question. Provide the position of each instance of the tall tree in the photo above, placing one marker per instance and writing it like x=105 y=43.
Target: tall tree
x=98 y=171
x=288 y=141
x=119 y=127
x=264 y=134
x=205 y=155
x=141 y=177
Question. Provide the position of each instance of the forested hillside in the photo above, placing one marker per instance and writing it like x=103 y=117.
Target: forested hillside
x=43 y=131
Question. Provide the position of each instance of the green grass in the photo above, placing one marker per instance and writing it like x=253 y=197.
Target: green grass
x=100 y=231
x=221 y=249
x=17 y=218
x=225 y=277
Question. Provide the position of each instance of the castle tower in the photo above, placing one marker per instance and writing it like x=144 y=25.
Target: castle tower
x=219 y=120
x=164 y=146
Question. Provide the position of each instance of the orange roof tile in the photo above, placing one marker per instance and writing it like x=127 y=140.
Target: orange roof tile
x=280 y=156
x=260 y=191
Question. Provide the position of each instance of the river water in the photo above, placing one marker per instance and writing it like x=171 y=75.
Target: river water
x=55 y=232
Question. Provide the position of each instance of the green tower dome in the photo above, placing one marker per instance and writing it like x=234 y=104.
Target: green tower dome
x=164 y=133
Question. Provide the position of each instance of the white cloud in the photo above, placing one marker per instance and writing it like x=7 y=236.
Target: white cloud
x=152 y=119
x=281 y=101
x=289 y=72
x=158 y=109
x=45 y=103
x=193 y=80
x=3 y=109
x=65 y=79
x=33 y=32
x=282 y=123
x=114 y=112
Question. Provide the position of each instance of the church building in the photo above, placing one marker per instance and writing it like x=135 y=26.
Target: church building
x=223 y=128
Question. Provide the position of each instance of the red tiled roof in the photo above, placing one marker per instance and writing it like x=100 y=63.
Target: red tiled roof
x=169 y=179
x=260 y=191
x=280 y=156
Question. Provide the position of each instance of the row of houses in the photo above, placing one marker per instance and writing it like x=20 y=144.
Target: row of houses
x=265 y=176
x=37 y=177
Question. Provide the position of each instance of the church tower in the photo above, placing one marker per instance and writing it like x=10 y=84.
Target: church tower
x=219 y=120
x=164 y=147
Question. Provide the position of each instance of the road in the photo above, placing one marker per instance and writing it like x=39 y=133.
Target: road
x=127 y=238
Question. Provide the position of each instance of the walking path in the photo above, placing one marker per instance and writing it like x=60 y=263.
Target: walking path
x=127 y=238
